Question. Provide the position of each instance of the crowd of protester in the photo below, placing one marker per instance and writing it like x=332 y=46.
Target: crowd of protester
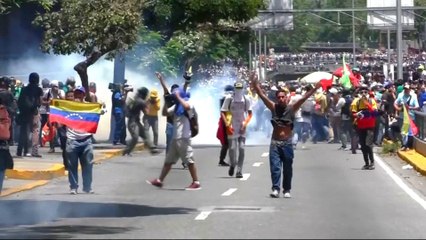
x=357 y=117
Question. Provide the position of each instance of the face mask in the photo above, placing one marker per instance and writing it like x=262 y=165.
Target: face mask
x=238 y=94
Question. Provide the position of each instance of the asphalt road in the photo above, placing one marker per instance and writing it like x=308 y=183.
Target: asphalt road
x=331 y=198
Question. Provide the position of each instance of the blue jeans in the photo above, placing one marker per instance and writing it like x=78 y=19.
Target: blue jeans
x=319 y=127
x=83 y=151
x=119 y=127
x=169 y=135
x=281 y=156
x=2 y=173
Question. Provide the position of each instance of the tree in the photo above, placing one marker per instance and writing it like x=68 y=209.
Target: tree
x=6 y=5
x=93 y=29
x=194 y=31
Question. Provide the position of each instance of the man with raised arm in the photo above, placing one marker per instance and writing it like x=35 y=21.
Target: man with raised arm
x=281 y=149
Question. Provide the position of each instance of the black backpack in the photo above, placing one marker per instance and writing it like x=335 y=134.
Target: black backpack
x=193 y=122
x=28 y=103
x=346 y=109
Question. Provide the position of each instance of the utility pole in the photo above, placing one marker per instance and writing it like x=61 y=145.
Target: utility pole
x=353 y=34
x=399 y=37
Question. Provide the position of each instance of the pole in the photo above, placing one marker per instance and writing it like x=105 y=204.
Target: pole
x=260 y=53
x=249 y=63
x=255 y=52
x=266 y=53
x=399 y=37
x=353 y=34
x=389 y=53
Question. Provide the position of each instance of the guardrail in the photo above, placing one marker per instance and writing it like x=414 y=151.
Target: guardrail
x=421 y=124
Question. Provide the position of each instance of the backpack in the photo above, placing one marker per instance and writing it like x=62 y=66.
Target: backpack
x=193 y=123
x=27 y=103
x=4 y=123
x=346 y=109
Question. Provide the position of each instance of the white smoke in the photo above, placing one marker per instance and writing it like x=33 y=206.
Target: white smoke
x=205 y=95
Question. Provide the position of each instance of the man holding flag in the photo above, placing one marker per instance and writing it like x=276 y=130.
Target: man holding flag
x=81 y=120
x=406 y=104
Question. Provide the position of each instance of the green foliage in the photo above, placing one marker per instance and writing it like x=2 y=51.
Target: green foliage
x=389 y=147
x=6 y=5
x=84 y=27
x=193 y=32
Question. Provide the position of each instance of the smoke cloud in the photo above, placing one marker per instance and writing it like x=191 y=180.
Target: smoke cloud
x=205 y=95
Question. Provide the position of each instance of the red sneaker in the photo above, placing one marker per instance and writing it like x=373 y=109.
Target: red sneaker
x=156 y=182
x=193 y=186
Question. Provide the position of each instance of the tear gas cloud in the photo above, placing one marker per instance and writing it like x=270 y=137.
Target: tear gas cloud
x=205 y=95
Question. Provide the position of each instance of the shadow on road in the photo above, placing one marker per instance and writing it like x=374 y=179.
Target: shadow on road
x=31 y=212
x=59 y=232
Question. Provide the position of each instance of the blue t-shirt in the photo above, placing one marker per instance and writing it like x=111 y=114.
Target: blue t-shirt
x=410 y=100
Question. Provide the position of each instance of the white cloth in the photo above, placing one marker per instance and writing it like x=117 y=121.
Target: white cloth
x=239 y=109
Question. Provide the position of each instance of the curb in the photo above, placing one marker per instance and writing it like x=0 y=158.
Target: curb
x=415 y=159
x=25 y=187
x=58 y=170
x=412 y=157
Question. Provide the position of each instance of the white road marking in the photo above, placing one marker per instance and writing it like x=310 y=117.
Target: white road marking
x=266 y=154
x=229 y=192
x=257 y=164
x=401 y=183
x=245 y=177
x=203 y=215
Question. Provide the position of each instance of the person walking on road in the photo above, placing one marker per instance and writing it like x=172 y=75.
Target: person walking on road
x=150 y=119
x=364 y=110
x=221 y=131
x=239 y=107
x=180 y=146
x=133 y=110
x=281 y=151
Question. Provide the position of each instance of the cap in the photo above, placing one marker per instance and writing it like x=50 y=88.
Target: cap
x=355 y=69
x=54 y=83
x=239 y=85
x=406 y=86
x=333 y=91
x=229 y=88
x=154 y=93
x=80 y=88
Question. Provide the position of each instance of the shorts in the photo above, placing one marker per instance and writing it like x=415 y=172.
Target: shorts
x=180 y=148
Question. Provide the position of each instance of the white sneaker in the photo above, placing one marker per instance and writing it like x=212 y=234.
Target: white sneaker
x=287 y=195
x=274 y=194
x=73 y=191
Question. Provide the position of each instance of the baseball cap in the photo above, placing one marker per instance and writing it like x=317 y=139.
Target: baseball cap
x=406 y=86
x=80 y=88
x=239 y=85
x=333 y=91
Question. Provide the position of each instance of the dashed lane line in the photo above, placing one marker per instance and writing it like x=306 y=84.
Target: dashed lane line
x=203 y=215
x=229 y=192
x=266 y=154
x=245 y=177
x=257 y=164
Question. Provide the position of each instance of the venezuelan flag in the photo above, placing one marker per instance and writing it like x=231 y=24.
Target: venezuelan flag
x=76 y=115
x=408 y=125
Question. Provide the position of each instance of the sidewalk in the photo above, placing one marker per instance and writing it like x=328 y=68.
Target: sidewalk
x=31 y=172
x=412 y=157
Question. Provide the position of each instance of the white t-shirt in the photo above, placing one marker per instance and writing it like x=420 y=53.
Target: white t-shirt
x=238 y=110
x=181 y=125
x=298 y=113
